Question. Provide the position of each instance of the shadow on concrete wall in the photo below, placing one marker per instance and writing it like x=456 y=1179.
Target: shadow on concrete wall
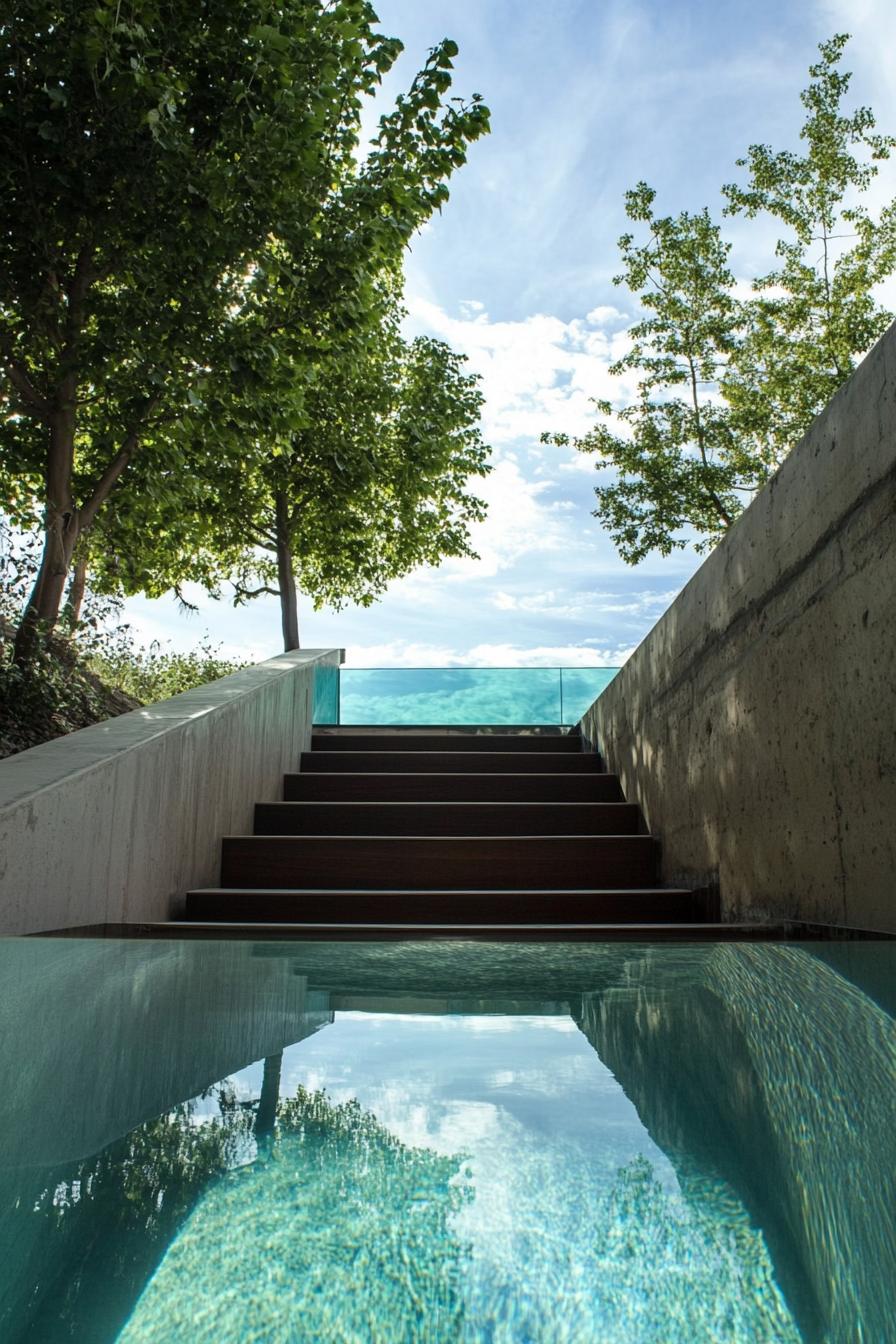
x=756 y=723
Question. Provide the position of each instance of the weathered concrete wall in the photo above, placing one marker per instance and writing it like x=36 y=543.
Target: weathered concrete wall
x=116 y=822
x=756 y=723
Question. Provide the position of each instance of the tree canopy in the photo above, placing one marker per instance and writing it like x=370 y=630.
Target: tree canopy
x=186 y=209
x=727 y=384
x=369 y=480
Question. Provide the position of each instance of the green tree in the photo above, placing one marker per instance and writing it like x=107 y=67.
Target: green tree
x=161 y=164
x=815 y=314
x=727 y=386
x=679 y=460
x=368 y=478
x=375 y=484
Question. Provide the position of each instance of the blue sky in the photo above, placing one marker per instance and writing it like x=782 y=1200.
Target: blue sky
x=587 y=97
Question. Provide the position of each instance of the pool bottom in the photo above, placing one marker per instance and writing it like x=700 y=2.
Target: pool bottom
x=471 y=1178
x=469 y=1141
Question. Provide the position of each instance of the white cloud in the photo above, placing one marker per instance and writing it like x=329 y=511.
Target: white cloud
x=404 y=653
x=583 y=606
x=604 y=314
x=539 y=373
x=519 y=522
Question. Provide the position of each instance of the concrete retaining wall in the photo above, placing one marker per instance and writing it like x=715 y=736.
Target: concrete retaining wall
x=117 y=821
x=756 y=723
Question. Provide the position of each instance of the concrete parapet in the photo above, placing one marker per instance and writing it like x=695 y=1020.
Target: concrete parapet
x=117 y=821
x=756 y=723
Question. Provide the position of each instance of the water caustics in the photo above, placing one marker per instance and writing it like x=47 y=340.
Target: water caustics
x=426 y=1142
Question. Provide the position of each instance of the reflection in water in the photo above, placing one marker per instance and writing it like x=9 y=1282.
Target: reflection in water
x=96 y=1229
x=404 y=1175
x=763 y=1066
x=340 y=1230
x=537 y=1233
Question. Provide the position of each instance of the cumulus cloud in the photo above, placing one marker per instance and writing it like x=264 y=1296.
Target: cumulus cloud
x=402 y=653
x=583 y=606
x=538 y=373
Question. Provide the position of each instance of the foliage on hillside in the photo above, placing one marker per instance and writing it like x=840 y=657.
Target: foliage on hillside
x=86 y=675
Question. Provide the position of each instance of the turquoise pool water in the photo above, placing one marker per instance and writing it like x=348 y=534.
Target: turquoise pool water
x=457 y=695
x=237 y=1141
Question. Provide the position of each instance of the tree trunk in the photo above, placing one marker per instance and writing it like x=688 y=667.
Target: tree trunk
x=289 y=603
x=76 y=590
x=61 y=530
x=266 y=1115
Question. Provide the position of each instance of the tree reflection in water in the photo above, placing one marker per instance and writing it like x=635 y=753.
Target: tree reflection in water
x=83 y=1240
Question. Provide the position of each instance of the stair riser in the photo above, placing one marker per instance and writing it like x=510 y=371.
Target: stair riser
x=435 y=907
x=451 y=762
x=418 y=788
x=496 y=863
x=488 y=742
x=447 y=819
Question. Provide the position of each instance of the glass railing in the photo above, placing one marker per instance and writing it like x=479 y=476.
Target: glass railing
x=459 y=695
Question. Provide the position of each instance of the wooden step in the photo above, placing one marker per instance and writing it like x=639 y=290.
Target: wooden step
x=452 y=762
x=293 y=818
x=659 y=905
x=489 y=742
x=326 y=787
x=472 y=862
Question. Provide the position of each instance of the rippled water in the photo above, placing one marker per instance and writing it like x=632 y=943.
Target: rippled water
x=477 y=1142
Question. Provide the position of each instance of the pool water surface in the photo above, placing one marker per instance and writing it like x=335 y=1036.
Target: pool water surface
x=233 y=1141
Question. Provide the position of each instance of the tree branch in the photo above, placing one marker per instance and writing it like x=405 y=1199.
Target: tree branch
x=701 y=443
x=113 y=471
x=21 y=381
x=241 y=594
x=266 y=540
x=182 y=601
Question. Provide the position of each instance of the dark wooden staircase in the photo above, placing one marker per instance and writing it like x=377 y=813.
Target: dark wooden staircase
x=455 y=830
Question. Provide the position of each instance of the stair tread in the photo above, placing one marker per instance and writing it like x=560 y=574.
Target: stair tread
x=471 y=906
x=443 y=891
x=439 y=817
x=447 y=803
x=453 y=762
x=513 y=743
x=622 y=932
x=446 y=839
x=417 y=786
x=452 y=861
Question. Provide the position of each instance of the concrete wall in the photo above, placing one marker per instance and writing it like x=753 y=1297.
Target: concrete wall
x=116 y=822
x=756 y=723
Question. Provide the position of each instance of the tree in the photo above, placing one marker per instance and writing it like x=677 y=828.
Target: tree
x=815 y=314
x=369 y=479
x=162 y=163
x=728 y=386
x=681 y=463
x=375 y=484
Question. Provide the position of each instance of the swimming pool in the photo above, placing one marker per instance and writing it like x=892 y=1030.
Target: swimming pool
x=474 y=1141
